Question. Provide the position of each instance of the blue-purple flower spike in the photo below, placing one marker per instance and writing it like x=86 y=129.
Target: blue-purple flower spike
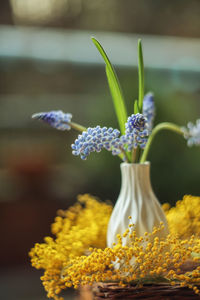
x=55 y=118
x=98 y=138
x=136 y=132
x=192 y=133
x=149 y=109
x=95 y=139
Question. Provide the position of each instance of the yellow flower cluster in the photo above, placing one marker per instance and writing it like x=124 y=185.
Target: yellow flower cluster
x=146 y=259
x=80 y=227
x=184 y=218
x=77 y=255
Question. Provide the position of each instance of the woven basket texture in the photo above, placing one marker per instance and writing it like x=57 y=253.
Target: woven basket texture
x=148 y=291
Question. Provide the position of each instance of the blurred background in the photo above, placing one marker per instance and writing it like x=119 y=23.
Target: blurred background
x=48 y=62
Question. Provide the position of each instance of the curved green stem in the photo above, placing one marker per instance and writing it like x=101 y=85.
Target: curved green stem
x=161 y=126
x=77 y=126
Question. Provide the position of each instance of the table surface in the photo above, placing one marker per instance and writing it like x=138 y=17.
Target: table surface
x=23 y=283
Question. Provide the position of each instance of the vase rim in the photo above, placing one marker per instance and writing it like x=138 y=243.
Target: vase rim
x=146 y=163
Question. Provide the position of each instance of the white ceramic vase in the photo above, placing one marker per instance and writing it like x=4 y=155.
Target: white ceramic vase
x=136 y=199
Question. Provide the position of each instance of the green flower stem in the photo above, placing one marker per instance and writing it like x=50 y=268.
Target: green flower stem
x=161 y=126
x=77 y=126
x=134 y=154
x=125 y=155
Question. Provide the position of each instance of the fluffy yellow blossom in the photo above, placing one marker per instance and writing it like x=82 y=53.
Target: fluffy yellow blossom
x=80 y=227
x=160 y=260
x=77 y=255
x=184 y=218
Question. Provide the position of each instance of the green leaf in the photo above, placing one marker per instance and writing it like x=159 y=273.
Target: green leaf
x=140 y=76
x=115 y=89
x=136 y=109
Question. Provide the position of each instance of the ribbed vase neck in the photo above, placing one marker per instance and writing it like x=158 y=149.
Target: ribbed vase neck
x=136 y=174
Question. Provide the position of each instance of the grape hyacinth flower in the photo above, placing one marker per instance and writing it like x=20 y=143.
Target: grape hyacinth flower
x=192 y=133
x=95 y=139
x=55 y=118
x=136 y=131
x=149 y=109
